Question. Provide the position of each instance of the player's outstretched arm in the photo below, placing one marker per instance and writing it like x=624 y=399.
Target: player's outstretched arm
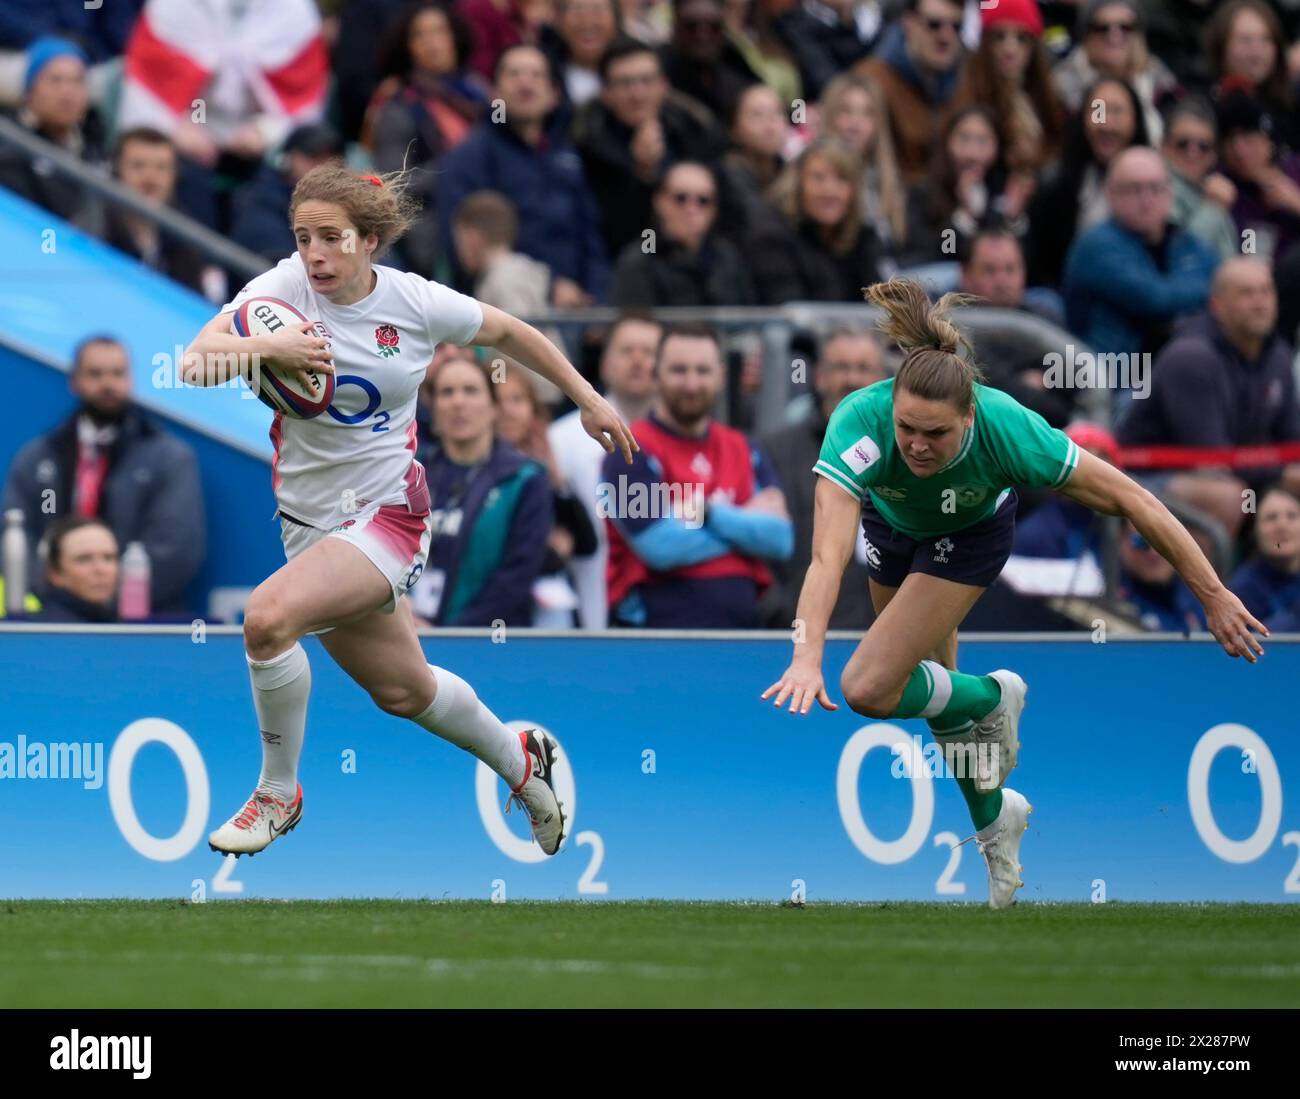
x=1099 y=485
x=835 y=527
x=522 y=342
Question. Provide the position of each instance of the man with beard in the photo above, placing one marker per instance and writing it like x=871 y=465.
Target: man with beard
x=107 y=461
x=695 y=521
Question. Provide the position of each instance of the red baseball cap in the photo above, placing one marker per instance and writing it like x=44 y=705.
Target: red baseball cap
x=1021 y=13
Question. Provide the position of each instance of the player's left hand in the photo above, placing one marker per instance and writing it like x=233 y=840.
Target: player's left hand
x=1231 y=625
x=602 y=423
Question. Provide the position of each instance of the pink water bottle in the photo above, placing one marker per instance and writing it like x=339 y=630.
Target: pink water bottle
x=133 y=595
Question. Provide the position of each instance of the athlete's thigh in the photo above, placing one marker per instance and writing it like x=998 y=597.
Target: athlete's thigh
x=327 y=583
x=381 y=652
x=920 y=618
x=944 y=653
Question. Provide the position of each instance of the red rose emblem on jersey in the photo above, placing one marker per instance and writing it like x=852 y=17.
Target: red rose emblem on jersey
x=386 y=339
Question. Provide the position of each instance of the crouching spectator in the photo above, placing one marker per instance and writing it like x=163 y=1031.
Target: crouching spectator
x=1269 y=583
x=492 y=510
x=694 y=522
x=81 y=571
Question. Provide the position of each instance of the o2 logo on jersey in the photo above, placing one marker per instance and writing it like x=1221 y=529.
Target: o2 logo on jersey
x=373 y=400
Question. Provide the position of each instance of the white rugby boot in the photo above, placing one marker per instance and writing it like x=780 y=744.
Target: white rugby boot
x=536 y=794
x=263 y=818
x=999 y=843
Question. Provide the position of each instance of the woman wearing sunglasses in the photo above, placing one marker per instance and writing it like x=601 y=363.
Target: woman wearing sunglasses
x=682 y=261
x=1112 y=42
x=1202 y=196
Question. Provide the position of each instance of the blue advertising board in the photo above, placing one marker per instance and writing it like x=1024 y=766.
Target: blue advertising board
x=1159 y=770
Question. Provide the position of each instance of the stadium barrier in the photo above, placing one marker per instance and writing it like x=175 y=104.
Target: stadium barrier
x=1158 y=769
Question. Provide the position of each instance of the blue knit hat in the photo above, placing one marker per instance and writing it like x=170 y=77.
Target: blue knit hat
x=45 y=49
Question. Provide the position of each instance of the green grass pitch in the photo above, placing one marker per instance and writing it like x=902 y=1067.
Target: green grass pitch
x=638 y=954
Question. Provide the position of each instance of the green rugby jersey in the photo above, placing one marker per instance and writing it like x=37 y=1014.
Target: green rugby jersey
x=1006 y=445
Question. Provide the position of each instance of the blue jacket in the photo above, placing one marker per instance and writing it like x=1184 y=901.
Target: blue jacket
x=101 y=30
x=489 y=535
x=1113 y=289
x=559 y=221
x=259 y=215
x=151 y=495
x=1269 y=594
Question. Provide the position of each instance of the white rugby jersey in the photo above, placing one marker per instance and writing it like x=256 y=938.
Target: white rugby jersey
x=361 y=450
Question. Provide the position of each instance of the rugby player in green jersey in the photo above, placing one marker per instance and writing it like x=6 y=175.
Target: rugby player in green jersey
x=927 y=461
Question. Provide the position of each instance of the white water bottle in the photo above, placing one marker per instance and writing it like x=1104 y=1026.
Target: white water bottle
x=133 y=596
x=15 y=563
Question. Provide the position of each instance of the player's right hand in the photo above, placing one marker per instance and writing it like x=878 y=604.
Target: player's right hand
x=299 y=350
x=803 y=685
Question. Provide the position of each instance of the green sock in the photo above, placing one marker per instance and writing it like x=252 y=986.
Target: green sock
x=984 y=805
x=947 y=699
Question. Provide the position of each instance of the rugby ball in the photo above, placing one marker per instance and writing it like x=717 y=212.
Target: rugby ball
x=280 y=390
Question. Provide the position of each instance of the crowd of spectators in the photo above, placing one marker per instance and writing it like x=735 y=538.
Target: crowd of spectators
x=1128 y=170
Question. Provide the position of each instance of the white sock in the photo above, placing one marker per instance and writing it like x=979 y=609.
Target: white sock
x=280 y=689
x=457 y=715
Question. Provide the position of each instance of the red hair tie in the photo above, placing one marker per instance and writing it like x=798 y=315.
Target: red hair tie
x=374 y=179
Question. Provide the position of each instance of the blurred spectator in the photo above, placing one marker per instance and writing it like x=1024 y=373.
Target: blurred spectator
x=144 y=161
x=1248 y=51
x=260 y=209
x=849 y=360
x=695 y=519
x=1202 y=197
x=500 y=24
x=826 y=37
x=81 y=572
x=354 y=57
x=748 y=26
x=993 y=269
x=528 y=158
x=759 y=130
x=1153 y=591
x=918 y=71
x=627 y=373
x=819 y=250
x=687 y=263
x=425 y=106
x=1114 y=45
x=492 y=510
x=1267 y=182
x=1128 y=279
x=484 y=230
x=56 y=107
x=101 y=31
x=627 y=136
x=522 y=421
x=1224 y=380
x=108 y=461
x=853 y=112
x=1010 y=73
x=968 y=189
x=699 y=61
x=225 y=80
x=575 y=42
x=1269 y=583
x=1072 y=197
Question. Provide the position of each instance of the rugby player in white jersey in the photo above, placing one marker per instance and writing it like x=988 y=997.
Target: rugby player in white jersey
x=353 y=503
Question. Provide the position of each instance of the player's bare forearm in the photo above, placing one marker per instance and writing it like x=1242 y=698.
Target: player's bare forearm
x=835 y=526
x=213 y=357
x=525 y=344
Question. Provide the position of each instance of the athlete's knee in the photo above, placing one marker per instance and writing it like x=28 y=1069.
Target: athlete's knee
x=870 y=694
x=267 y=628
x=401 y=700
